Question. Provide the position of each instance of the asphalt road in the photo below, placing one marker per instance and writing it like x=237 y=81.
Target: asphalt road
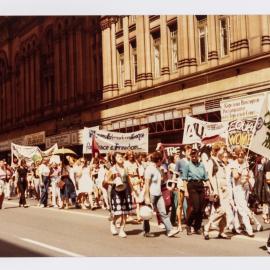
x=49 y=232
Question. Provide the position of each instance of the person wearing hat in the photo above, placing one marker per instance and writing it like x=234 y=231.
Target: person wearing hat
x=194 y=177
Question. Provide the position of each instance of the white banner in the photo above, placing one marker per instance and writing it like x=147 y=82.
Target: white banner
x=247 y=107
x=28 y=152
x=196 y=130
x=115 y=141
x=260 y=142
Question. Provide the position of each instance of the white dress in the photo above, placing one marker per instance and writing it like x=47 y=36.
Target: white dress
x=85 y=181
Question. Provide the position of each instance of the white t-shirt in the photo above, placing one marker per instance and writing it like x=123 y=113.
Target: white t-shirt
x=44 y=170
x=154 y=174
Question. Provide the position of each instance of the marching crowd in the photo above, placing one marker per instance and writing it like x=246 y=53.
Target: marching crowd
x=224 y=187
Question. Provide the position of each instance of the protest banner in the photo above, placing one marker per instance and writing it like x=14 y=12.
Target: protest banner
x=28 y=152
x=260 y=142
x=247 y=107
x=240 y=132
x=115 y=141
x=195 y=130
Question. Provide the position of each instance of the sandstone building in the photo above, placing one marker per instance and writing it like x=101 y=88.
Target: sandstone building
x=123 y=73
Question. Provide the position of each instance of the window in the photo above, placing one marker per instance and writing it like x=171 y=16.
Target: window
x=121 y=69
x=224 y=37
x=134 y=62
x=120 y=23
x=203 y=43
x=173 y=39
x=132 y=19
x=156 y=43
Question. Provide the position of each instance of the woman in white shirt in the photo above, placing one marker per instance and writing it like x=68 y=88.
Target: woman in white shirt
x=44 y=173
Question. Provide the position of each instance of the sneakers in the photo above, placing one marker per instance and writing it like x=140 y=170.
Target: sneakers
x=224 y=236
x=206 y=236
x=161 y=226
x=259 y=228
x=113 y=229
x=148 y=234
x=42 y=206
x=122 y=233
x=268 y=247
x=173 y=232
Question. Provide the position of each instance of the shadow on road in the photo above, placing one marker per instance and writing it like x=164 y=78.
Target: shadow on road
x=10 y=250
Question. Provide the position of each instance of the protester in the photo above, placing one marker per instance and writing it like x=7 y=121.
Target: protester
x=44 y=174
x=194 y=176
x=121 y=200
x=22 y=171
x=66 y=184
x=240 y=174
x=153 y=195
x=266 y=192
x=221 y=194
x=132 y=168
x=55 y=175
x=3 y=177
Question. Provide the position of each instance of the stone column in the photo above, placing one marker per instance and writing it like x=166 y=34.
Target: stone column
x=57 y=72
x=265 y=33
x=165 y=70
x=114 y=62
x=244 y=47
x=79 y=59
x=37 y=80
x=71 y=53
x=234 y=36
x=106 y=57
x=126 y=55
x=212 y=41
x=141 y=78
x=191 y=44
x=64 y=67
x=182 y=40
x=32 y=83
x=148 y=61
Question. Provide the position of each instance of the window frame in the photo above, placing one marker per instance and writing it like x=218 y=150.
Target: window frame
x=221 y=39
x=173 y=64
x=156 y=43
x=203 y=25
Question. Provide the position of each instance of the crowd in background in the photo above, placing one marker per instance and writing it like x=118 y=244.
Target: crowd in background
x=222 y=187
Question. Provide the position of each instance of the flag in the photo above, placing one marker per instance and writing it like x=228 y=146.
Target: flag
x=95 y=147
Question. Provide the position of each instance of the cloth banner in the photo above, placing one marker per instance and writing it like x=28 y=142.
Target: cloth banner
x=115 y=141
x=245 y=107
x=260 y=142
x=28 y=152
x=198 y=131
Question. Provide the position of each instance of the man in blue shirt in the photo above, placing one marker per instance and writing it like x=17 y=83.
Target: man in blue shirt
x=194 y=176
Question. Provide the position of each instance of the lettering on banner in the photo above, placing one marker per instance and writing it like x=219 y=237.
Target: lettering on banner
x=240 y=132
x=266 y=123
x=195 y=128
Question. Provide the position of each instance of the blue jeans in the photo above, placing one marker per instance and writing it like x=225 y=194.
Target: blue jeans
x=159 y=204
